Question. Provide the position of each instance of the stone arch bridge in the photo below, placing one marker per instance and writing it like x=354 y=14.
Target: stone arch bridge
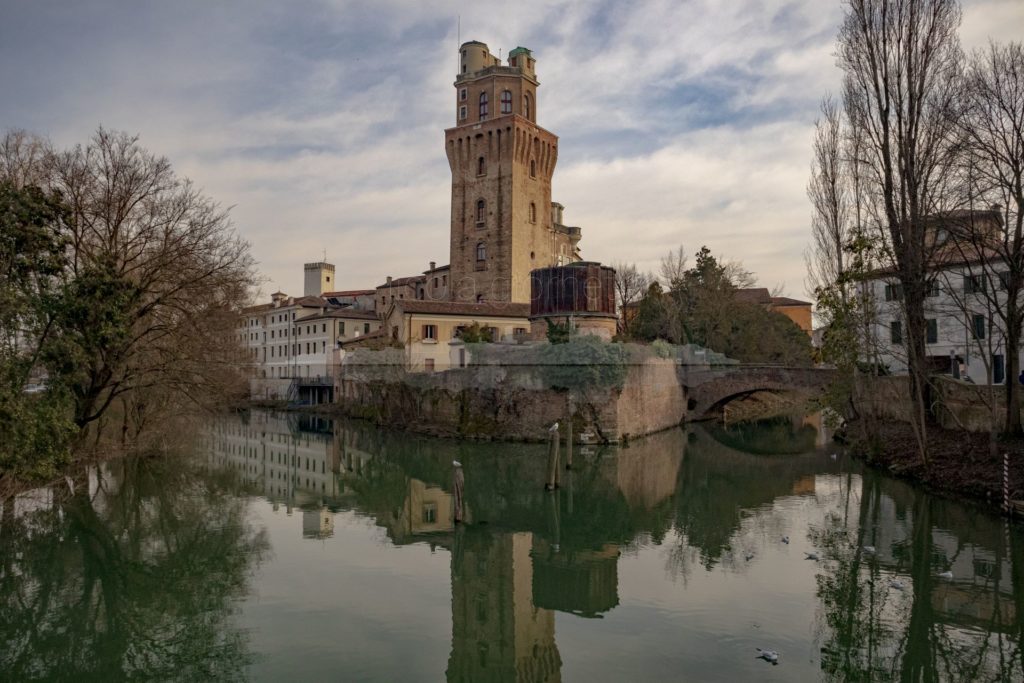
x=709 y=388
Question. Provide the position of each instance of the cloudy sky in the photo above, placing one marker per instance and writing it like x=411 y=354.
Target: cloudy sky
x=321 y=122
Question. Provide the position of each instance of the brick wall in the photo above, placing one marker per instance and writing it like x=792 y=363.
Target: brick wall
x=511 y=403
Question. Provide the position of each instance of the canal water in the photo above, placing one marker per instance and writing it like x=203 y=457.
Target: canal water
x=283 y=548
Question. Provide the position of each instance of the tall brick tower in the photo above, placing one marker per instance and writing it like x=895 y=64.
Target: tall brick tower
x=503 y=221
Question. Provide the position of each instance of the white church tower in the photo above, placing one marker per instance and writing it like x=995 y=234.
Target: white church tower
x=319 y=278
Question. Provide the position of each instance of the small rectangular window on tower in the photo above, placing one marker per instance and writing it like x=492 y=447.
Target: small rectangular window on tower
x=463 y=93
x=462 y=113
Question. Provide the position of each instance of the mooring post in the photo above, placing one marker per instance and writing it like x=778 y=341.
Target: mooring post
x=555 y=522
x=552 y=482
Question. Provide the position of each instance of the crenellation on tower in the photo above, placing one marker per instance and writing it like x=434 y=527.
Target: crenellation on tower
x=319 y=278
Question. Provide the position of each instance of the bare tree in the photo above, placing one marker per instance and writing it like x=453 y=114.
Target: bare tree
x=738 y=275
x=673 y=267
x=630 y=285
x=902 y=64
x=22 y=158
x=831 y=198
x=991 y=235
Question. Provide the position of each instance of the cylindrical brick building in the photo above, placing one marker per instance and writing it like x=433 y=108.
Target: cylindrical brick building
x=581 y=294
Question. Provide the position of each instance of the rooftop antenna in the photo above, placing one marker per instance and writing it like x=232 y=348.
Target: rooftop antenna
x=325 y=255
x=458 y=37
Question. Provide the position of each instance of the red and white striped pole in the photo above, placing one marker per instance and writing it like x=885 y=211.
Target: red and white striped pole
x=1006 y=482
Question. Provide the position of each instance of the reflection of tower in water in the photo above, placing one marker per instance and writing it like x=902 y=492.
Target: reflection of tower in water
x=317 y=523
x=498 y=633
x=580 y=582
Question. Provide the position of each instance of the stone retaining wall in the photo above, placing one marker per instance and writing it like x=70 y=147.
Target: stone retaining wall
x=511 y=403
x=960 y=405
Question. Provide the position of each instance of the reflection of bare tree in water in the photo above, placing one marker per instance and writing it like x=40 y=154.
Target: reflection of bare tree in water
x=872 y=630
x=135 y=580
x=852 y=594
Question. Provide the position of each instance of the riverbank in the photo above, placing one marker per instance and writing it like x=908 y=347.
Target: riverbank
x=961 y=464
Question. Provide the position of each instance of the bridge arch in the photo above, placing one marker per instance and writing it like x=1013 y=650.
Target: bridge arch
x=709 y=389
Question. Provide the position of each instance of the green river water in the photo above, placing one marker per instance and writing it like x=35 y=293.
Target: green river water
x=289 y=548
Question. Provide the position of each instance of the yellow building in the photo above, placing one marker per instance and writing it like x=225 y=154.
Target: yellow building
x=426 y=329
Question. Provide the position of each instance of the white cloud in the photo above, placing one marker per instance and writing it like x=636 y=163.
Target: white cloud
x=323 y=126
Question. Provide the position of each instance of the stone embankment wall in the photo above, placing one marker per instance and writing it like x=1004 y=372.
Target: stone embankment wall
x=512 y=403
x=959 y=404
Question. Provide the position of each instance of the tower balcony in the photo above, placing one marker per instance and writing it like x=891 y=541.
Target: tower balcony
x=574 y=233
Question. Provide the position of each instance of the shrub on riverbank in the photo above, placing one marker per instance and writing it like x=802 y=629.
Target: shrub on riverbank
x=35 y=433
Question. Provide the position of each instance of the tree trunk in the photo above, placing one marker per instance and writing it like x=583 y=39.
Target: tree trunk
x=917 y=362
x=919 y=657
x=1013 y=424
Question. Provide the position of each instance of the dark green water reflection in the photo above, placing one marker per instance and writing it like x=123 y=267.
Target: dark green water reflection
x=296 y=549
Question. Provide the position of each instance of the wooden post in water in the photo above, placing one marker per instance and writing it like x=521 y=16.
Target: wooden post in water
x=552 y=482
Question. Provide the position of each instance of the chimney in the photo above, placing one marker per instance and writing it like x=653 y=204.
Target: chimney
x=389 y=280
x=433 y=264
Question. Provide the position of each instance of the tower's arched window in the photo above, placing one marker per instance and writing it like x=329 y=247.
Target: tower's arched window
x=481 y=212
x=533 y=212
x=481 y=251
x=527 y=108
x=481 y=166
x=533 y=168
x=506 y=102
x=483 y=105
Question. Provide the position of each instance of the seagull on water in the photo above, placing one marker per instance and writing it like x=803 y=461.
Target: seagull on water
x=785 y=539
x=946 y=575
x=898 y=585
x=768 y=655
x=553 y=428
x=749 y=556
x=869 y=549
x=811 y=556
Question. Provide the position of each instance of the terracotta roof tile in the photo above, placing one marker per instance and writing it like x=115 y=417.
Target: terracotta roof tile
x=754 y=295
x=345 y=313
x=786 y=301
x=495 y=309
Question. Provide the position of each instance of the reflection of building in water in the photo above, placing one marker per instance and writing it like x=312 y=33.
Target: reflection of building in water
x=823 y=435
x=647 y=472
x=582 y=582
x=981 y=591
x=317 y=523
x=426 y=509
x=429 y=509
x=285 y=464
x=805 y=485
x=498 y=633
